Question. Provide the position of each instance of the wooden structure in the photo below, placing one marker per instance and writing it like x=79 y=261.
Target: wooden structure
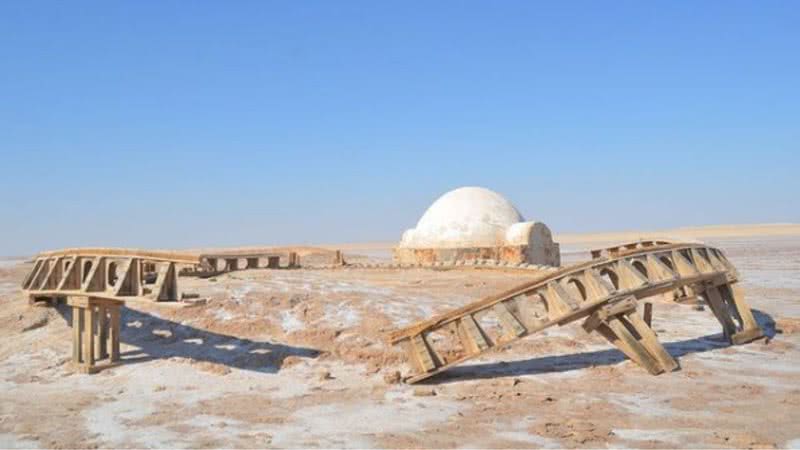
x=603 y=292
x=95 y=331
x=230 y=261
x=616 y=249
x=118 y=273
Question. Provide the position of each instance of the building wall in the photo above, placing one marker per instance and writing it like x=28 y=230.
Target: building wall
x=514 y=254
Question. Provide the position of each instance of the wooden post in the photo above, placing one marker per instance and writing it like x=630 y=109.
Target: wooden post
x=102 y=332
x=77 y=319
x=113 y=334
x=648 y=314
x=95 y=328
x=88 y=338
x=720 y=310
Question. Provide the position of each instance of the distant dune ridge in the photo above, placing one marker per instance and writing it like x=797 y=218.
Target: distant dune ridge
x=684 y=233
x=570 y=239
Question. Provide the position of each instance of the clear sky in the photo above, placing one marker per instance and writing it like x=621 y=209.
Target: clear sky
x=185 y=124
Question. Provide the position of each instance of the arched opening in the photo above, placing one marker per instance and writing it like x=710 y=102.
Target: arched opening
x=611 y=277
x=87 y=267
x=576 y=288
x=641 y=268
x=666 y=262
x=112 y=273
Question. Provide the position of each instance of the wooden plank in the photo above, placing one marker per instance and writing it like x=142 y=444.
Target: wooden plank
x=77 y=332
x=559 y=302
x=742 y=308
x=37 y=267
x=96 y=279
x=715 y=261
x=150 y=255
x=166 y=286
x=123 y=283
x=648 y=314
x=683 y=266
x=659 y=270
x=473 y=338
x=602 y=315
x=700 y=261
x=52 y=267
x=651 y=343
x=511 y=326
x=596 y=286
x=101 y=334
x=422 y=353
x=629 y=276
x=88 y=338
x=72 y=278
x=631 y=346
x=720 y=310
x=113 y=335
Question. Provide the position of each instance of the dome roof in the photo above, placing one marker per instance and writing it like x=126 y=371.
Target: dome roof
x=464 y=217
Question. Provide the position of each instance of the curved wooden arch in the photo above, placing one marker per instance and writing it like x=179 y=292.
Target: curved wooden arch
x=610 y=310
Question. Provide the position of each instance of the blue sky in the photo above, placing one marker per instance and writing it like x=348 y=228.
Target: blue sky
x=185 y=124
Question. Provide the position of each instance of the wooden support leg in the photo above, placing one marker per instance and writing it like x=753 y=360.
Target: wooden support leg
x=648 y=314
x=651 y=343
x=720 y=310
x=77 y=330
x=113 y=335
x=102 y=332
x=750 y=329
x=617 y=333
x=88 y=339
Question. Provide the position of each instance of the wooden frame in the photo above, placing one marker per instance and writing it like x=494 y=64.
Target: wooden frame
x=118 y=273
x=609 y=306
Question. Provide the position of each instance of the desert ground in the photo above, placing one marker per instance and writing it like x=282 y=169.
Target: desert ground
x=298 y=358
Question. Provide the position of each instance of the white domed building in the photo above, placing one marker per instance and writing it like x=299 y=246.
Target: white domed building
x=472 y=223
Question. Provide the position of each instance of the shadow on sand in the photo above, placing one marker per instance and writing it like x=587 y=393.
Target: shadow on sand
x=158 y=338
x=577 y=361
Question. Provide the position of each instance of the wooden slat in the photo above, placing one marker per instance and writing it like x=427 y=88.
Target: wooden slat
x=77 y=333
x=659 y=270
x=473 y=338
x=716 y=261
x=632 y=347
x=101 y=333
x=422 y=353
x=511 y=326
x=150 y=255
x=559 y=301
x=742 y=308
x=720 y=310
x=683 y=266
x=700 y=261
x=596 y=286
x=96 y=279
x=52 y=267
x=72 y=278
x=114 y=330
x=629 y=276
x=650 y=342
x=37 y=267
x=88 y=338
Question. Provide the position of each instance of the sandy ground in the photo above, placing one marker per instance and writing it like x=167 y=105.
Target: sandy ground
x=296 y=358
